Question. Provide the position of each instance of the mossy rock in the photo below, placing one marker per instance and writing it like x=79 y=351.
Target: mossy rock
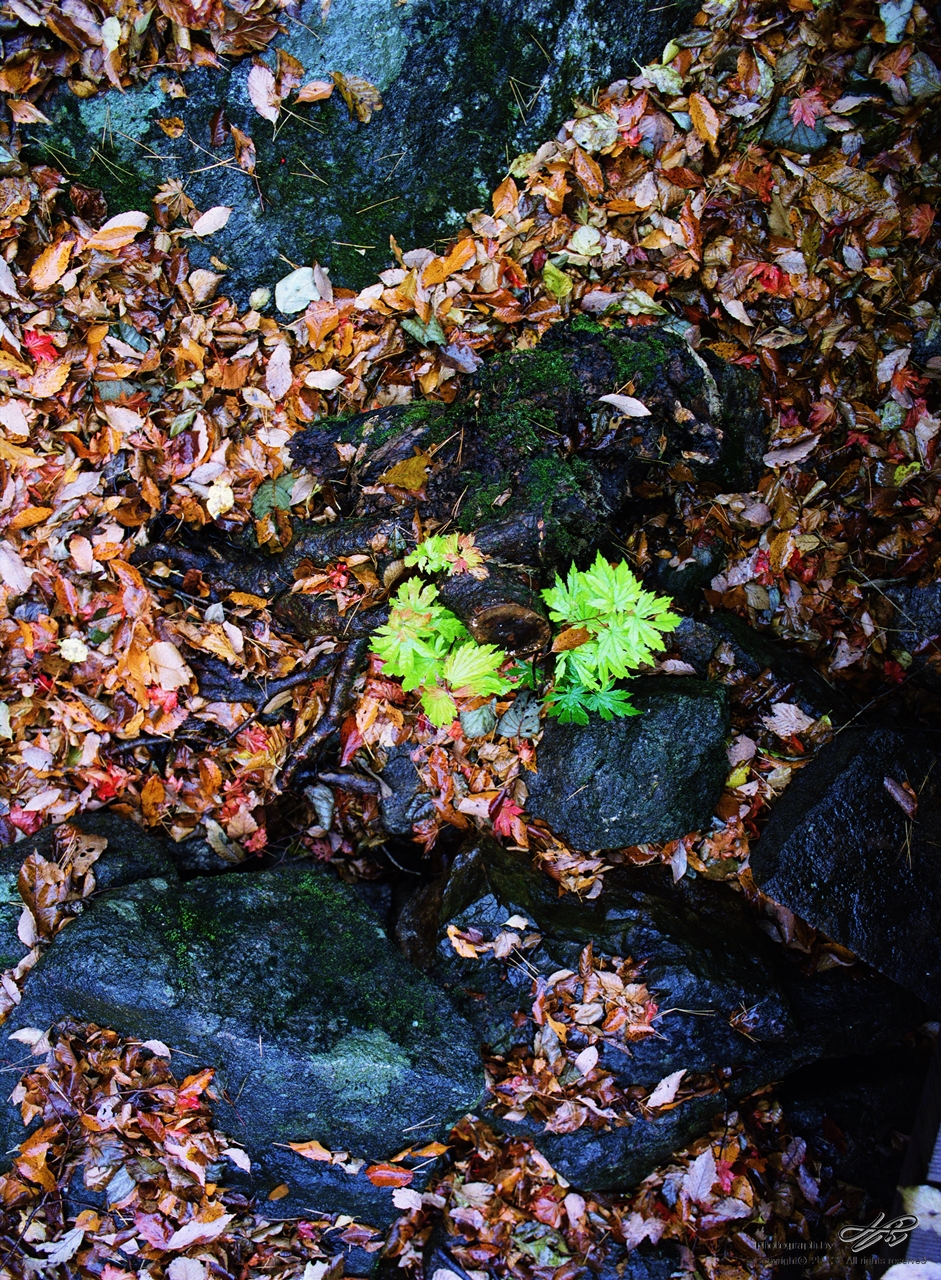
x=287 y=984
x=464 y=86
x=533 y=439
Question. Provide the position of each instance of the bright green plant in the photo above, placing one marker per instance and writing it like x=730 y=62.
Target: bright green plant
x=615 y=626
x=431 y=650
x=611 y=626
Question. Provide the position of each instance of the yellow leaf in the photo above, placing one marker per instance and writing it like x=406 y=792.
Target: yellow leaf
x=279 y=1192
x=704 y=118
x=172 y=126
x=312 y=1150
x=48 y=379
x=439 y=269
x=51 y=264
x=29 y=516
x=246 y=600
x=410 y=473
x=10 y=364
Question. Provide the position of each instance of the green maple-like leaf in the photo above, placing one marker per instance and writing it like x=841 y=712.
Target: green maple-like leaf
x=474 y=667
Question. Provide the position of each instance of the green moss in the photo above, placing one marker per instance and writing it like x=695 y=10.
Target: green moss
x=638 y=359
x=585 y=324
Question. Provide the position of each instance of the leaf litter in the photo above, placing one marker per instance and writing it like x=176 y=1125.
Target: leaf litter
x=767 y=188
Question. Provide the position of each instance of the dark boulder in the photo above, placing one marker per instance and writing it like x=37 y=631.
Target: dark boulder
x=850 y=851
x=132 y=854
x=707 y=963
x=915 y=627
x=656 y=776
x=403 y=800
x=287 y=984
x=464 y=86
x=790 y=675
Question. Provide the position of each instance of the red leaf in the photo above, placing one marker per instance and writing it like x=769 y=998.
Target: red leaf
x=389 y=1175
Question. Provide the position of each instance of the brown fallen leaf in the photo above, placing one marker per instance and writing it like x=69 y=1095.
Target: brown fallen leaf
x=410 y=473
x=360 y=96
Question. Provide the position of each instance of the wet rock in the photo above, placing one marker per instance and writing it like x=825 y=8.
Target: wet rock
x=916 y=628
x=287 y=984
x=132 y=854
x=854 y=1114
x=791 y=678
x=706 y=960
x=685 y=581
x=851 y=852
x=403 y=802
x=333 y=189
x=655 y=776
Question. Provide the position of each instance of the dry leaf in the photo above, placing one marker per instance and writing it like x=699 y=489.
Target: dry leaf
x=118 y=231
x=51 y=264
x=786 y=719
x=315 y=91
x=312 y=1150
x=263 y=92
x=360 y=96
x=666 y=1090
x=212 y=220
x=704 y=118
x=169 y=669
x=410 y=473
x=278 y=375
x=627 y=405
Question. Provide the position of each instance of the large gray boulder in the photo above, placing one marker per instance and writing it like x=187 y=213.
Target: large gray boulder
x=288 y=984
x=656 y=776
x=708 y=963
x=464 y=86
x=851 y=852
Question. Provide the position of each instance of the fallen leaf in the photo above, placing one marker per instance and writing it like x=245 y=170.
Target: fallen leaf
x=666 y=1090
x=312 y=1150
x=315 y=91
x=263 y=92
x=169 y=669
x=410 y=473
x=360 y=96
x=389 y=1175
x=704 y=118
x=118 y=231
x=212 y=220
x=51 y=264
x=627 y=405
x=278 y=375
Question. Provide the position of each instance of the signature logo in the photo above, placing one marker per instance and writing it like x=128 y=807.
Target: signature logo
x=893 y=1231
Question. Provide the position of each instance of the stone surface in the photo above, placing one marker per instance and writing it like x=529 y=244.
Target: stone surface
x=916 y=628
x=286 y=983
x=793 y=679
x=844 y=855
x=704 y=951
x=463 y=86
x=132 y=854
x=407 y=802
x=655 y=776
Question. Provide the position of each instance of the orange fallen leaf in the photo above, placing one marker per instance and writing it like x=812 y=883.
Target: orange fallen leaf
x=312 y=1150
x=588 y=172
x=438 y=270
x=279 y=1192
x=389 y=1175
x=118 y=231
x=570 y=638
x=704 y=118
x=315 y=91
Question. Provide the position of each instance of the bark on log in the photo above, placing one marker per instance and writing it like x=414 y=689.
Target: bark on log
x=501 y=609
